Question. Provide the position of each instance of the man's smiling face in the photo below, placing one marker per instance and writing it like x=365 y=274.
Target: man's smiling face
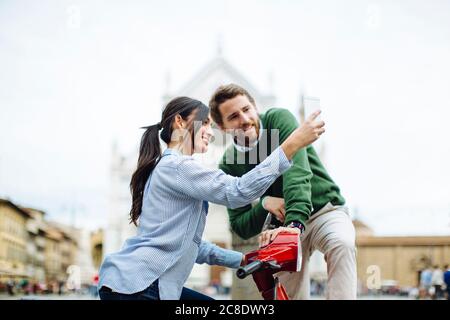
x=240 y=118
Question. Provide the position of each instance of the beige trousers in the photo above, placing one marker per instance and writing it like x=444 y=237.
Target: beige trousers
x=330 y=231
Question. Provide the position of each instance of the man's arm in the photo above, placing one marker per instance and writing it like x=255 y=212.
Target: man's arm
x=296 y=180
x=247 y=221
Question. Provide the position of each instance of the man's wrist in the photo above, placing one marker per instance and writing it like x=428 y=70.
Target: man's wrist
x=297 y=224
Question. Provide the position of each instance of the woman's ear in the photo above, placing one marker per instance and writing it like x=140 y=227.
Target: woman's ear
x=179 y=124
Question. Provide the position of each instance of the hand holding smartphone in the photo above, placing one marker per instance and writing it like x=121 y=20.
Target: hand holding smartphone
x=311 y=105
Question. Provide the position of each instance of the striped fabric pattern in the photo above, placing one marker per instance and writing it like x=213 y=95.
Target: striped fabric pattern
x=174 y=209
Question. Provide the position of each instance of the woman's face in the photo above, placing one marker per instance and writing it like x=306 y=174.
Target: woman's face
x=203 y=136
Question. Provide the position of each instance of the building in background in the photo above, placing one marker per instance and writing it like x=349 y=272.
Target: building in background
x=119 y=200
x=97 y=247
x=13 y=241
x=80 y=255
x=36 y=245
x=399 y=259
x=53 y=257
x=39 y=251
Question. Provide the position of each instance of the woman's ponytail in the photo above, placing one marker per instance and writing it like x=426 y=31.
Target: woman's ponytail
x=149 y=155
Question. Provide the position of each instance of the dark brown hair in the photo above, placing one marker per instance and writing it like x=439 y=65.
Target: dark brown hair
x=150 y=148
x=222 y=94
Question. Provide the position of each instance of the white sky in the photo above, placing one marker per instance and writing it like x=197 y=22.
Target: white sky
x=75 y=75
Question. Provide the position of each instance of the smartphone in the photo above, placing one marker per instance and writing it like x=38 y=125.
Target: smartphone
x=311 y=104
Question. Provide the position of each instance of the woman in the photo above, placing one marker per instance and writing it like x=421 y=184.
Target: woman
x=170 y=194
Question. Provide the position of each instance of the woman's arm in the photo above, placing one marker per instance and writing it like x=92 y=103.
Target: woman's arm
x=215 y=186
x=212 y=254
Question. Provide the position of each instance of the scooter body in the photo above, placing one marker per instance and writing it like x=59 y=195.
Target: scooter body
x=282 y=254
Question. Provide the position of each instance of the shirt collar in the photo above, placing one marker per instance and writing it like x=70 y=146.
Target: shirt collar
x=172 y=151
x=245 y=148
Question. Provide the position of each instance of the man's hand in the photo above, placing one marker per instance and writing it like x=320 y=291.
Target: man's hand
x=267 y=236
x=307 y=133
x=276 y=207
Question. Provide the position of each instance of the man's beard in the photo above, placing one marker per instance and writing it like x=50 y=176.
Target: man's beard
x=243 y=140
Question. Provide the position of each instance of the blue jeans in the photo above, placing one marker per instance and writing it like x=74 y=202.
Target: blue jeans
x=150 y=293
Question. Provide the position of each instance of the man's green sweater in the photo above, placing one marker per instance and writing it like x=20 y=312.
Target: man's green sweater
x=306 y=187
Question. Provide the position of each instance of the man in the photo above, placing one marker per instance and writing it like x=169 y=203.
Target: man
x=304 y=199
x=437 y=281
x=447 y=280
x=426 y=277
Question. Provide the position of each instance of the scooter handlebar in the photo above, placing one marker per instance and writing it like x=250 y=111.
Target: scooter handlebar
x=244 y=271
